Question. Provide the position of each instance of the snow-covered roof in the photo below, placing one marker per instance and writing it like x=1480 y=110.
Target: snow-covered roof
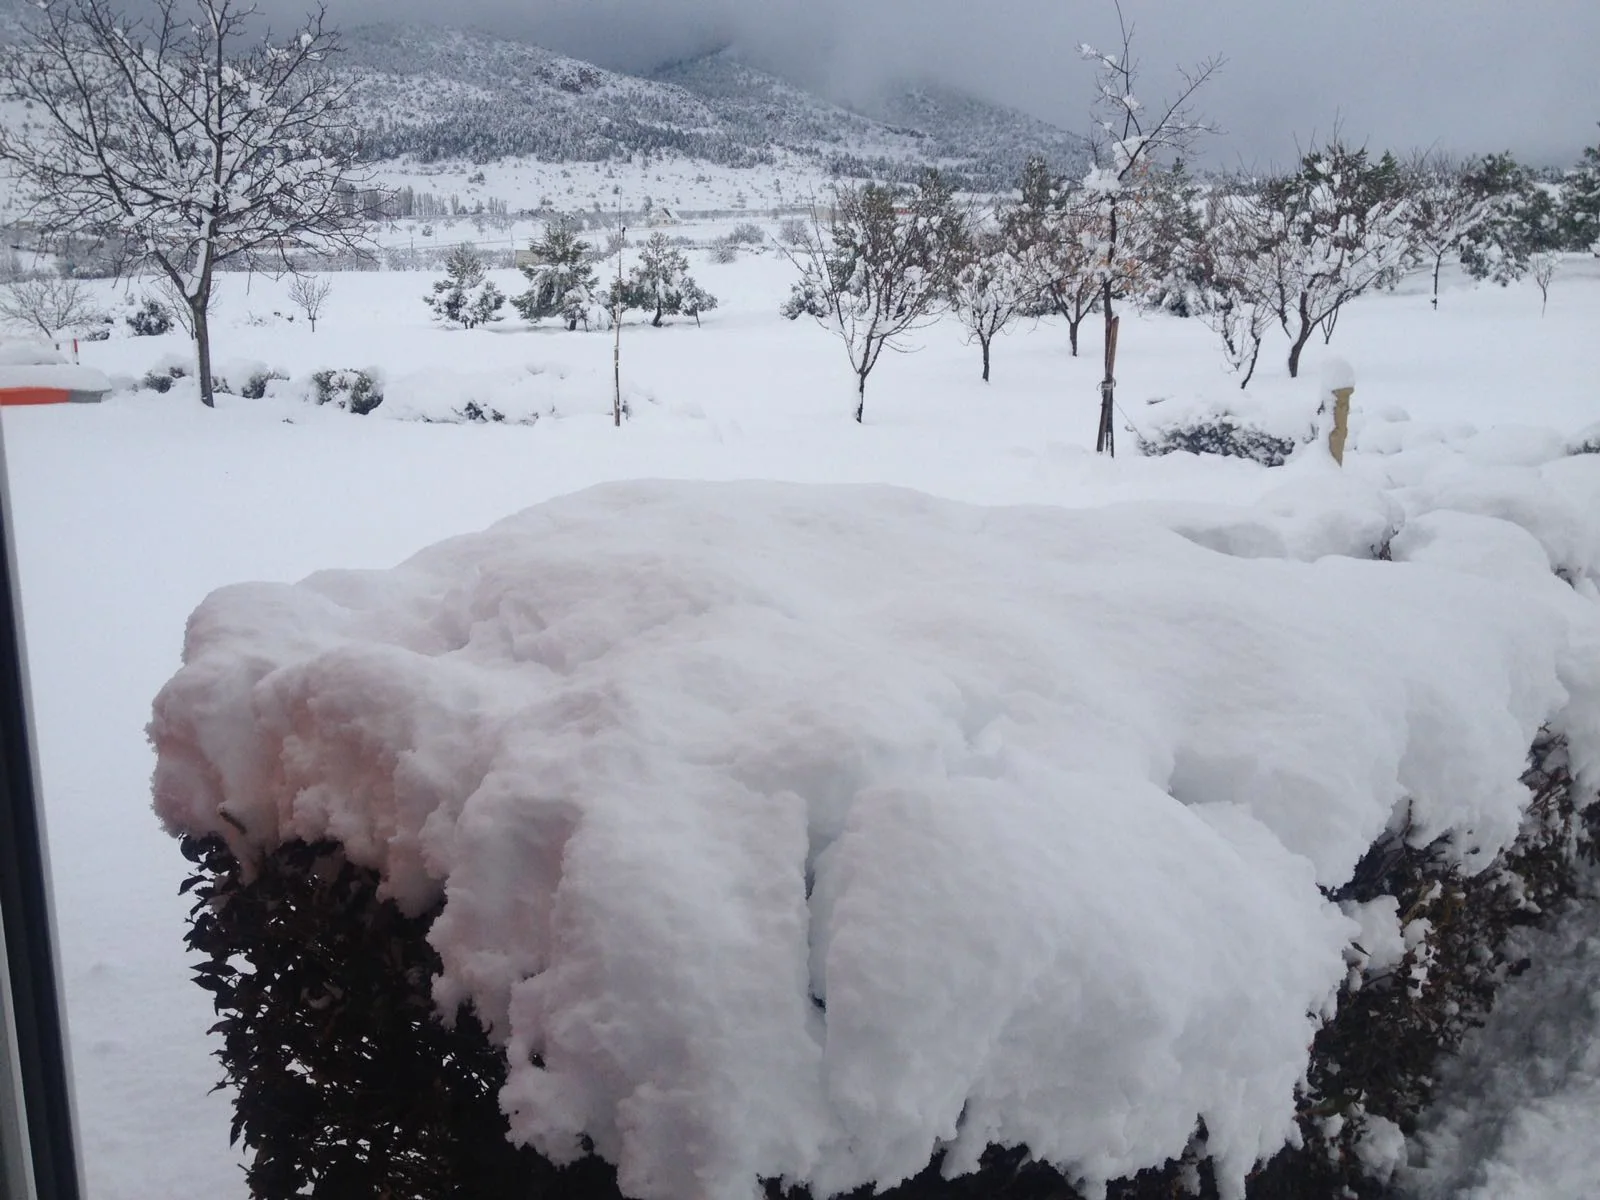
x=54 y=375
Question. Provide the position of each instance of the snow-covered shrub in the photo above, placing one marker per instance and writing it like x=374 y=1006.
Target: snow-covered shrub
x=358 y=392
x=1222 y=435
x=150 y=319
x=1586 y=441
x=746 y=233
x=724 y=251
x=482 y=414
x=982 y=864
x=98 y=327
x=161 y=377
x=404 y=1102
x=347 y=1082
x=1424 y=973
x=257 y=381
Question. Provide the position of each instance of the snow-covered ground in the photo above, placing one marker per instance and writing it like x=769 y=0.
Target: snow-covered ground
x=130 y=512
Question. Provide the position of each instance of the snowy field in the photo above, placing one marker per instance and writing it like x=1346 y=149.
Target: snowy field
x=128 y=513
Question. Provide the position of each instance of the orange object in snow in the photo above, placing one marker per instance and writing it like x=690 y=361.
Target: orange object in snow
x=34 y=395
x=31 y=374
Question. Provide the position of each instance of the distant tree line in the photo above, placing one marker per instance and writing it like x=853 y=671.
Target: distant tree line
x=1244 y=254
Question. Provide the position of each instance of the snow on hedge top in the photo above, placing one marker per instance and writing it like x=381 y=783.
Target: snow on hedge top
x=802 y=831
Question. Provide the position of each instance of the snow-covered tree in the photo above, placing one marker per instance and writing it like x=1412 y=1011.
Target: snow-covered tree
x=562 y=281
x=1333 y=230
x=1236 y=296
x=183 y=139
x=1052 y=232
x=660 y=283
x=1522 y=219
x=1443 y=211
x=693 y=300
x=875 y=267
x=466 y=296
x=990 y=286
x=1175 y=257
x=1580 y=203
x=1130 y=141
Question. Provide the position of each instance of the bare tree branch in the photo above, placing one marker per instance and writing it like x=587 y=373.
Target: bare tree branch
x=183 y=144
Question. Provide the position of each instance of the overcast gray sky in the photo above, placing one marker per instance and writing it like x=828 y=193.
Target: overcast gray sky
x=1467 y=75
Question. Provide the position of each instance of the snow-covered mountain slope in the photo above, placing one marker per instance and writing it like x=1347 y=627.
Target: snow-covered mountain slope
x=454 y=94
x=432 y=95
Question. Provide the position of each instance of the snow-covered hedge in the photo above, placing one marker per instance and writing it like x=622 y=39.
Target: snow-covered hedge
x=808 y=834
x=1242 y=429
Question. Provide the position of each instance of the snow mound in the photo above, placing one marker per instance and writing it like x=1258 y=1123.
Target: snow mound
x=801 y=832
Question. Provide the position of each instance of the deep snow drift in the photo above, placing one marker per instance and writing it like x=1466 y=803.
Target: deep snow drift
x=803 y=831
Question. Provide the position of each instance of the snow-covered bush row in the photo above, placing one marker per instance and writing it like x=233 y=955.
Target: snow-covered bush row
x=807 y=833
x=1262 y=430
x=1220 y=435
x=518 y=395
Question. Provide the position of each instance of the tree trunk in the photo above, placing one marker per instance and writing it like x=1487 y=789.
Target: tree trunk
x=656 y=322
x=861 y=396
x=1307 y=328
x=1255 y=354
x=1072 y=332
x=1294 y=350
x=202 y=342
x=1105 y=436
x=984 y=342
x=1438 y=261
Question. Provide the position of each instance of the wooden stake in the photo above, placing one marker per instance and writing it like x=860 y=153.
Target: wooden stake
x=1106 y=439
x=1341 y=423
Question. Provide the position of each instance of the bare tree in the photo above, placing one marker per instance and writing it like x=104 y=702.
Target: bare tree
x=48 y=303
x=876 y=269
x=184 y=140
x=1131 y=139
x=1544 y=264
x=309 y=294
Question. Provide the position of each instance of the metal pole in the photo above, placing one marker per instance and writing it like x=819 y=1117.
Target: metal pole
x=616 y=324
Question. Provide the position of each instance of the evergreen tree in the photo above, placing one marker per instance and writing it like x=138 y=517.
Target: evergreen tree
x=1580 y=204
x=561 y=280
x=1522 y=220
x=1175 y=267
x=465 y=296
x=661 y=283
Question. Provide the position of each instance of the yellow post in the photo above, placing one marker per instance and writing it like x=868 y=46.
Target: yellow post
x=1341 y=423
